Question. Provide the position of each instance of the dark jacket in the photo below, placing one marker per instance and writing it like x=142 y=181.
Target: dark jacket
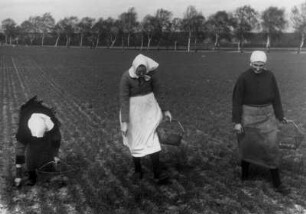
x=130 y=87
x=32 y=150
x=256 y=90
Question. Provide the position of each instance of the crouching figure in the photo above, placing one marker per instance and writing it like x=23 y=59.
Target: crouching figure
x=38 y=139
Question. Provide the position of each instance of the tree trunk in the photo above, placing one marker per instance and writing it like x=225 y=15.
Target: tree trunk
x=113 y=42
x=128 y=39
x=67 y=41
x=141 y=45
x=97 y=41
x=31 y=41
x=175 y=43
x=240 y=46
x=188 y=45
x=122 y=42
x=42 y=39
x=241 y=43
x=189 y=38
x=56 y=42
x=149 y=41
x=158 y=45
x=268 y=45
x=216 y=41
x=81 y=40
x=302 y=43
x=6 y=39
x=195 y=45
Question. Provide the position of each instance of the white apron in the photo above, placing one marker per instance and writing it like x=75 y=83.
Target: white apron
x=144 y=117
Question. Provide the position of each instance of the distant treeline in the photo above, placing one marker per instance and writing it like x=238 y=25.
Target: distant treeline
x=193 y=31
x=167 y=41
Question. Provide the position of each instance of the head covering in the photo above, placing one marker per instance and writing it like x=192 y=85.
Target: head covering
x=39 y=124
x=140 y=59
x=258 y=56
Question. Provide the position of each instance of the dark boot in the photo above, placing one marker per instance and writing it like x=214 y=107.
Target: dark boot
x=32 y=178
x=160 y=176
x=138 y=174
x=244 y=170
x=278 y=186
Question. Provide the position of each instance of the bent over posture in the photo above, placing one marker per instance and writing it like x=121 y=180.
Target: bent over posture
x=38 y=139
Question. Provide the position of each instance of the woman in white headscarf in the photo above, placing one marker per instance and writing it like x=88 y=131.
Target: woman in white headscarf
x=257 y=111
x=38 y=139
x=141 y=111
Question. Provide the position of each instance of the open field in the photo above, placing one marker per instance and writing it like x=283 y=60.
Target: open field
x=82 y=85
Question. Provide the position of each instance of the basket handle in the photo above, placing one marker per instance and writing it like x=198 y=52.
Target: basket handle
x=296 y=126
x=179 y=123
x=46 y=164
x=51 y=162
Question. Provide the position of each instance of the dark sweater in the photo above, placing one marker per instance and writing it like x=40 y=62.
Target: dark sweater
x=256 y=90
x=130 y=87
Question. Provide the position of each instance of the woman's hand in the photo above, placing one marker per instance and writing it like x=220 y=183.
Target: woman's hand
x=17 y=182
x=168 y=114
x=56 y=160
x=124 y=128
x=238 y=128
x=284 y=121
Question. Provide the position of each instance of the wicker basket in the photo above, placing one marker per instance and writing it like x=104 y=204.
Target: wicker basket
x=170 y=133
x=291 y=136
x=61 y=168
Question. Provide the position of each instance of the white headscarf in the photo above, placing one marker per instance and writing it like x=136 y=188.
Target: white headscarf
x=39 y=124
x=258 y=56
x=140 y=59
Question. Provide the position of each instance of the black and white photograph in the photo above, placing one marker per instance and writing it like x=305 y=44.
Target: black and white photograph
x=152 y=107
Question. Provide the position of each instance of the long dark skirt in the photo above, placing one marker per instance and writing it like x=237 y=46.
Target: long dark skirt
x=259 y=143
x=42 y=150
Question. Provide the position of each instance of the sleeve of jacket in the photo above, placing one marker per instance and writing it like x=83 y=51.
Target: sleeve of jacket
x=277 y=104
x=158 y=90
x=237 y=100
x=124 y=96
x=56 y=138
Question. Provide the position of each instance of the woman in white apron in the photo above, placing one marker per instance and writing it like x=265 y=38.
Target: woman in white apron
x=141 y=113
x=257 y=111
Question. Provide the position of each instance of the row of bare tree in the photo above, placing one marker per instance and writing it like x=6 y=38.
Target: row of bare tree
x=233 y=27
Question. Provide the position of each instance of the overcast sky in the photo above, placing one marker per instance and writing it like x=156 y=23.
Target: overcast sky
x=20 y=10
